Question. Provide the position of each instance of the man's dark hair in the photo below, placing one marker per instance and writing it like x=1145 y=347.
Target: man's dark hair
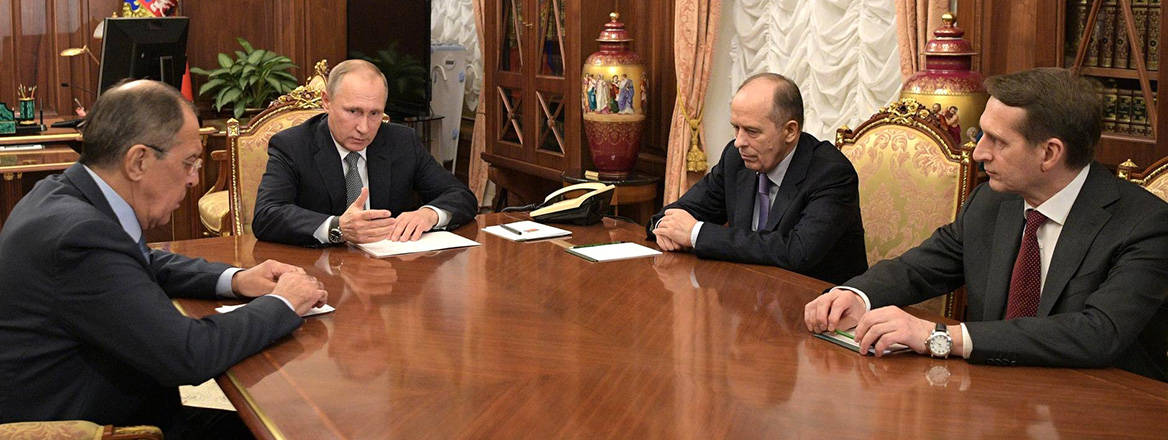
x=787 y=101
x=149 y=113
x=1058 y=104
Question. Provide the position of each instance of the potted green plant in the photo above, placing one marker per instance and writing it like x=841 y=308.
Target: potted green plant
x=251 y=80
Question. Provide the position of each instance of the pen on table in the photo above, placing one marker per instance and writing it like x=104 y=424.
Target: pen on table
x=511 y=230
x=595 y=244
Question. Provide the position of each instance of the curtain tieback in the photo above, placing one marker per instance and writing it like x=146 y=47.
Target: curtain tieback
x=695 y=158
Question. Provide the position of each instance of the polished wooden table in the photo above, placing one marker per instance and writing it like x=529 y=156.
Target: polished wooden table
x=522 y=340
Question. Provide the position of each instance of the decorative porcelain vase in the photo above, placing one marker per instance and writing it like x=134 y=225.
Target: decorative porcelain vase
x=614 y=81
x=947 y=86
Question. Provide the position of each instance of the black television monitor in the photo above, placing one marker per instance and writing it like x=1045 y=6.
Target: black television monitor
x=143 y=48
x=395 y=36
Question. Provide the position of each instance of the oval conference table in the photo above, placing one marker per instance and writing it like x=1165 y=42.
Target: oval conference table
x=523 y=340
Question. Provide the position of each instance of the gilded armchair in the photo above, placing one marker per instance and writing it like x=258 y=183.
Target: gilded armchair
x=912 y=180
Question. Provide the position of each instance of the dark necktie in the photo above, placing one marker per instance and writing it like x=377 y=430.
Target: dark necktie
x=764 y=200
x=352 y=178
x=142 y=247
x=1026 y=281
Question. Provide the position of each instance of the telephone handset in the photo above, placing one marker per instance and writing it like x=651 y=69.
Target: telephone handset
x=583 y=209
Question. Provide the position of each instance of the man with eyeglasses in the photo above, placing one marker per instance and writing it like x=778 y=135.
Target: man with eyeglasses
x=86 y=322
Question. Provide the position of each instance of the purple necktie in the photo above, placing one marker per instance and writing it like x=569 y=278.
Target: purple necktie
x=764 y=200
x=1026 y=281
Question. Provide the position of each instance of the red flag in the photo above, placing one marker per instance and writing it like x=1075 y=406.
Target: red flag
x=188 y=91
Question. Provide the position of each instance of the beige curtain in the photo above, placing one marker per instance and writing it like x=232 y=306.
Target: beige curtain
x=915 y=22
x=695 y=27
x=477 y=169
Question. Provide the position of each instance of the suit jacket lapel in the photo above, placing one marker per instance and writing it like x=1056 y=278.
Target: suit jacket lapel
x=789 y=187
x=328 y=163
x=1084 y=222
x=1007 y=239
x=379 y=173
x=747 y=187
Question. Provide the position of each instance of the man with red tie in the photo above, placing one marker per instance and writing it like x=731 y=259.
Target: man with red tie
x=1065 y=265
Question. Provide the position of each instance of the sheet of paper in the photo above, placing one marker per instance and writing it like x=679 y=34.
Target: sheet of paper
x=612 y=252
x=313 y=311
x=529 y=230
x=430 y=241
x=846 y=339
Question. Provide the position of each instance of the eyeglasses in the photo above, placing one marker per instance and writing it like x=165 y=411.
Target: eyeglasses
x=192 y=165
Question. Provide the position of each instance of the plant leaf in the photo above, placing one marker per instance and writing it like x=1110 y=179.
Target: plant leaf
x=210 y=85
x=245 y=44
x=239 y=108
x=200 y=71
x=232 y=95
x=255 y=57
x=225 y=61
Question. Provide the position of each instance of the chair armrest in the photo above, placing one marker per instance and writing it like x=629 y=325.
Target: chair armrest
x=220 y=159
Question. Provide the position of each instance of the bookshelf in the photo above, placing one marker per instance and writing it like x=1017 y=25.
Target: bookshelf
x=1117 y=43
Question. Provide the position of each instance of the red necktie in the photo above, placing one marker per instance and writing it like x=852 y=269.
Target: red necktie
x=1026 y=281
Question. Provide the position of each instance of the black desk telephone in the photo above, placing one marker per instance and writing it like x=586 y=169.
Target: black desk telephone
x=584 y=209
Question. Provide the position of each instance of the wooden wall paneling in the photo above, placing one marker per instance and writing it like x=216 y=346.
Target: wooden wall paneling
x=1011 y=35
x=8 y=59
x=324 y=35
x=653 y=31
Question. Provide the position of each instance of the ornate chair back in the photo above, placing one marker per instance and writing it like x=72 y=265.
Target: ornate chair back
x=912 y=180
x=248 y=146
x=1154 y=178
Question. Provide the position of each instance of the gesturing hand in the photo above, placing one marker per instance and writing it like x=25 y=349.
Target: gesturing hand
x=360 y=225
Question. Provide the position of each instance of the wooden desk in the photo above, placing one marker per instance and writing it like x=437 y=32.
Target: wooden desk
x=21 y=169
x=522 y=340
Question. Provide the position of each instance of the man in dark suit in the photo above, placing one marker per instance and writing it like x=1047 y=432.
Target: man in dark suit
x=324 y=175
x=1065 y=265
x=778 y=197
x=86 y=321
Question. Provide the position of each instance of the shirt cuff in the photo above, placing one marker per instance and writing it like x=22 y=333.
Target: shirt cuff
x=867 y=303
x=443 y=216
x=223 y=286
x=289 y=304
x=321 y=233
x=966 y=343
x=693 y=235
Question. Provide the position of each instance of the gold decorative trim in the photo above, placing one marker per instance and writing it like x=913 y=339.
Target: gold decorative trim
x=251 y=403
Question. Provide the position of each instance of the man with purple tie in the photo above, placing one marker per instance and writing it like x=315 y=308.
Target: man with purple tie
x=1065 y=265
x=778 y=196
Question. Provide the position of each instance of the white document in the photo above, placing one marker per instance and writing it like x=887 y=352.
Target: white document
x=612 y=252
x=528 y=230
x=313 y=311
x=430 y=241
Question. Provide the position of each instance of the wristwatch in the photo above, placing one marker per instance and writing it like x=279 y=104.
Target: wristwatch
x=939 y=343
x=335 y=236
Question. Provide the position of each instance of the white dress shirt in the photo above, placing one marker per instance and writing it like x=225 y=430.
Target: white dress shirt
x=321 y=233
x=1056 y=209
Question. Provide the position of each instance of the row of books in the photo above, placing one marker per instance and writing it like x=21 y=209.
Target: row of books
x=1125 y=110
x=1108 y=46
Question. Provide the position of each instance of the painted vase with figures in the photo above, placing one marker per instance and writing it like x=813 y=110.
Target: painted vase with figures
x=948 y=86
x=614 y=94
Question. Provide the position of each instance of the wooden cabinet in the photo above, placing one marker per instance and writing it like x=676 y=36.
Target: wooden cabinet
x=535 y=51
x=1020 y=34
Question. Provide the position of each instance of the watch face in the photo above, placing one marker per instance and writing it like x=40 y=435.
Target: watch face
x=335 y=236
x=939 y=345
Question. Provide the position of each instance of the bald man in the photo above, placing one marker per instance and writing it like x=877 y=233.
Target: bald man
x=778 y=196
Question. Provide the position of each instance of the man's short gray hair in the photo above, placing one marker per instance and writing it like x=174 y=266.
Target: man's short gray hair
x=131 y=113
